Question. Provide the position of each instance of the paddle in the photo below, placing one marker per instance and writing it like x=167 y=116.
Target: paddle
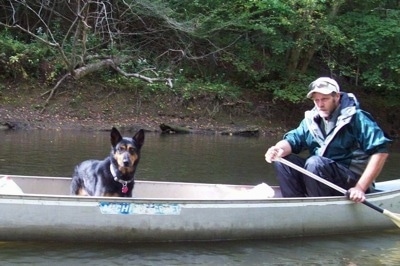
x=393 y=216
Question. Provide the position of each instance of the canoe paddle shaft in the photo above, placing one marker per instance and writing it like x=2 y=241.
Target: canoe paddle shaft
x=393 y=216
x=314 y=176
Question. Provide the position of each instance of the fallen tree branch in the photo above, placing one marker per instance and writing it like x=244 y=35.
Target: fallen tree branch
x=97 y=66
x=168 y=81
x=171 y=129
x=52 y=91
x=94 y=67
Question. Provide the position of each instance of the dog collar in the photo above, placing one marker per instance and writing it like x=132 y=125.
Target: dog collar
x=117 y=179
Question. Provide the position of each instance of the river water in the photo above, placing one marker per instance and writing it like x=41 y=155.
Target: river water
x=187 y=158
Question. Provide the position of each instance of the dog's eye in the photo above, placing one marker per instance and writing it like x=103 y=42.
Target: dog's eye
x=132 y=150
x=121 y=148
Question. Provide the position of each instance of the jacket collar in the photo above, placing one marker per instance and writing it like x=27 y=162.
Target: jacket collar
x=348 y=107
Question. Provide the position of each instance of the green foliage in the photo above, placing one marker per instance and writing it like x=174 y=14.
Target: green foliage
x=183 y=88
x=370 y=53
x=21 y=60
x=220 y=91
x=205 y=46
x=289 y=90
x=13 y=56
x=265 y=41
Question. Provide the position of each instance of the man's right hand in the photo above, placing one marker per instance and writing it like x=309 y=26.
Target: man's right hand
x=273 y=153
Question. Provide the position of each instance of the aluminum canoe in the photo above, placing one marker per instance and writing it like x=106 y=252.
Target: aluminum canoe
x=177 y=211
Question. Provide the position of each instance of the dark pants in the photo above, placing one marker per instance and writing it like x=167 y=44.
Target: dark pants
x=296 y=184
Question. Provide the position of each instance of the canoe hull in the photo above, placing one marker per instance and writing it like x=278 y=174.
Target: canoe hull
x=93 y=219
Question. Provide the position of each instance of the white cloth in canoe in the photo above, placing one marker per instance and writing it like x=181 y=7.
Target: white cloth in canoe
x=8 y=186
x=260 y=191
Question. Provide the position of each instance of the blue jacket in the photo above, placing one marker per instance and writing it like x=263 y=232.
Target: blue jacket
x=351 y=142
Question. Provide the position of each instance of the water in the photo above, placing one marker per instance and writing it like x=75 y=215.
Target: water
x=381 y=249
x=189 y=158
x=193 y=158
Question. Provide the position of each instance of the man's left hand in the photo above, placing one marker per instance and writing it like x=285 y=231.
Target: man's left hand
x=356 y=194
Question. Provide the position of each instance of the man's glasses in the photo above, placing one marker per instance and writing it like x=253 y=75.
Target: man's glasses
x=322 y=84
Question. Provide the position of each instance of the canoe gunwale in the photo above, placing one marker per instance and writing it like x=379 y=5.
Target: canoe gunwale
x=383 y=188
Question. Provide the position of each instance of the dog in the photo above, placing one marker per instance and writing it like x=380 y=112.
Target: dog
x=115 y=175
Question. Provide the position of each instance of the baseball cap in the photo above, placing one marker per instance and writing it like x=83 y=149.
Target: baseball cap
x=323 y=85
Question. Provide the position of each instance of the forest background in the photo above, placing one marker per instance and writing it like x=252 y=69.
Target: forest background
x=197 y=63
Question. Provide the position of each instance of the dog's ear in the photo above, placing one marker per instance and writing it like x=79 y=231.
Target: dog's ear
x=139 y=138
x=115 y=137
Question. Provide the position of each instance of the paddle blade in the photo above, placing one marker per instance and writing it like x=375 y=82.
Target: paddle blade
x=393 y=216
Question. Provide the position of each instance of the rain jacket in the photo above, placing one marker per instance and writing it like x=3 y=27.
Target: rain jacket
x=351 y=142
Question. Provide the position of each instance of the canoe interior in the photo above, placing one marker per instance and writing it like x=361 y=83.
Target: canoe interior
x=153 y=189
x=60 y=186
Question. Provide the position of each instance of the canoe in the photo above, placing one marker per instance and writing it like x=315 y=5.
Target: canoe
x=40 y=208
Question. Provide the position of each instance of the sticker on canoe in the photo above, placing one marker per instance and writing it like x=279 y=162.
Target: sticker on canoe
x=139 y=208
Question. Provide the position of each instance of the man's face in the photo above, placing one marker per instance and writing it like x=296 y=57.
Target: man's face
x=325 y=103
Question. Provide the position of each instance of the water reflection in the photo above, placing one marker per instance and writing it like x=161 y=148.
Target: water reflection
x=363 y=249
x=192 y=158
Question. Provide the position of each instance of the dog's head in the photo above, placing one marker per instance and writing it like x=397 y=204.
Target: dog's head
x=125 y=152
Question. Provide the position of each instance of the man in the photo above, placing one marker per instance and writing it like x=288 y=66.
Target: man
x=345 y=144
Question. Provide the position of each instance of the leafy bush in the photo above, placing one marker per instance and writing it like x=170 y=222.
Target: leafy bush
x=21 y=59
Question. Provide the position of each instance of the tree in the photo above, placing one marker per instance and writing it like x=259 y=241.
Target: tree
x=271 y=46
x=369 y=56
x=89 y=36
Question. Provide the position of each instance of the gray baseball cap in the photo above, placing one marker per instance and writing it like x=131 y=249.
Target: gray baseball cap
x=323 y=85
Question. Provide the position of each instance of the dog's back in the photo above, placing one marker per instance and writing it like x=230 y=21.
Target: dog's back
x=113 y=176
x=88 y=178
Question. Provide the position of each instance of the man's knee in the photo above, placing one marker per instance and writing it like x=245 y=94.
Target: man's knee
x=279 y=167
x=283 y=169
x=315 y=164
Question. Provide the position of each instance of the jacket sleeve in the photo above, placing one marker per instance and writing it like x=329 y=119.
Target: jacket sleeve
x=370 y=136
x=296 y=137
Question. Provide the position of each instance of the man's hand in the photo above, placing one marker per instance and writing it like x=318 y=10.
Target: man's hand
x=356 y=194
x=273 y=153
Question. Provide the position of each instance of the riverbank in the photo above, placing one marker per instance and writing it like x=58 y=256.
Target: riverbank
x=23 y=118
x=78 y=109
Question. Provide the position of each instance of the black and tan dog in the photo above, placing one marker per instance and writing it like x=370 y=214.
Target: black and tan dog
x=114 y=176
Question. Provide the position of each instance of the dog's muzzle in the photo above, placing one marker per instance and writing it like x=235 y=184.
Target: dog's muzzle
x=126 y=160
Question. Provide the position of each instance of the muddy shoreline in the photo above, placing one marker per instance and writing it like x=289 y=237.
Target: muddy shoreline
x=23 y=118
x=100 y=109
